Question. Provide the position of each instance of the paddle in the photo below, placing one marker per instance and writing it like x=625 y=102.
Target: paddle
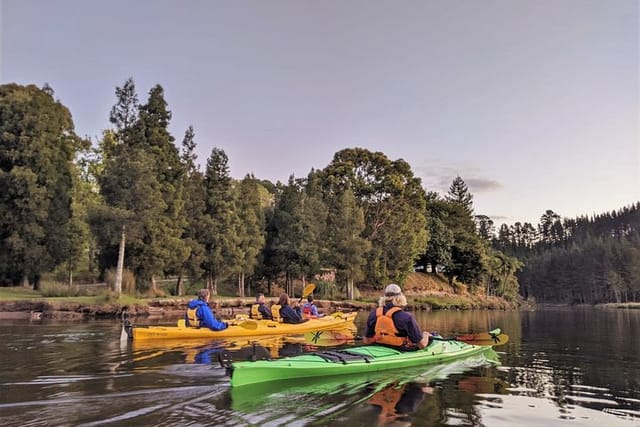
x=491 y=338
x=496 y=340
x=308 y=290
x=246 y=324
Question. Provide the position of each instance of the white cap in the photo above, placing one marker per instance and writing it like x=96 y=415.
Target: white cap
x=392 y=290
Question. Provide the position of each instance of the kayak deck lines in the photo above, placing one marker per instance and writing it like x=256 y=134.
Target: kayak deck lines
x=342 y=356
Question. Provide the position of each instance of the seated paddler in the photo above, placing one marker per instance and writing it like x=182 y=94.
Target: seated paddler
x=199 y=315
x=260 y=310
x=390 y=325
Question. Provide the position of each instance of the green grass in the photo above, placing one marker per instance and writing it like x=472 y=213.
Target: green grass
x=101 y=297
x=446 y=302
x=18 y=294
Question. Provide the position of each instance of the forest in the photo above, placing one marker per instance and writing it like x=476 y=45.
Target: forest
x=70 y=207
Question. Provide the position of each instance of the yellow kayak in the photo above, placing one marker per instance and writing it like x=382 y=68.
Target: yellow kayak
x=239 y=328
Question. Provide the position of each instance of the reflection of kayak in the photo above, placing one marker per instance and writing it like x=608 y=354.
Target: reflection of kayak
x=370 y=358
x=243 y=328
x=330 y=338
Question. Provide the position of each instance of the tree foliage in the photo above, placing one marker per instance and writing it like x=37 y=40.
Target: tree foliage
x=38 y=146
x=580 y=260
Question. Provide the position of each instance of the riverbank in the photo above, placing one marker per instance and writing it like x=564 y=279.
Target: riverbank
x=423 y=292
x=226 y=307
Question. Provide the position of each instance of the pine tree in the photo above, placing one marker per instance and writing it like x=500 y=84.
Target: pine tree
x=220 y=238
x=459 y=193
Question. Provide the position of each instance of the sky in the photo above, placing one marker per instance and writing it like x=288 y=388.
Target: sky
x=534 y=104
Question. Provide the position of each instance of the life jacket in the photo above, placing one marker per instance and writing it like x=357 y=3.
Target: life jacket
x=387 y=399
x=275 y=313
x=386 y=331
x=307 y=310
x=191 y=318
x=255 y=312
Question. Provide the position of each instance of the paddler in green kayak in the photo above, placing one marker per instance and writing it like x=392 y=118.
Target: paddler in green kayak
x=390 y=325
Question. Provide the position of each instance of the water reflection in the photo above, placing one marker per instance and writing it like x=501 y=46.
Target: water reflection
x=579 y=366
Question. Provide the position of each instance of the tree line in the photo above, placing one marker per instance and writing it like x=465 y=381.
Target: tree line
x=68 y=205
x=585 y=260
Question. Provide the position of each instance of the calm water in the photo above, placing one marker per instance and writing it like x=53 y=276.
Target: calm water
x=574 y=367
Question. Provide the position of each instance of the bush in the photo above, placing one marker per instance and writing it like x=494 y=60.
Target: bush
x=128 y=280
x=57 y=289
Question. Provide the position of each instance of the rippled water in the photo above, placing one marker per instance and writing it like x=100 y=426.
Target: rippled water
x=574 y=367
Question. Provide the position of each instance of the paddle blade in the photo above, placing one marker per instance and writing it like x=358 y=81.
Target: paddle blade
x=246 y=324
x=484 y=339
x=308 y=290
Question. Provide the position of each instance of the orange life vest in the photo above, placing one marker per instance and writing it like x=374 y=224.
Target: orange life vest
x=386 y=331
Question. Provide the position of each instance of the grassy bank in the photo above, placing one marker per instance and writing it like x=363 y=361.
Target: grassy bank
x=55 y=300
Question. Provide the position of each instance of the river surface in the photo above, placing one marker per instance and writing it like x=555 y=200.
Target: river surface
x=560 y=366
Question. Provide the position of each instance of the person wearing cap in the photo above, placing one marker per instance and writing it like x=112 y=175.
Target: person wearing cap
x=199 y=315
x=390 y=325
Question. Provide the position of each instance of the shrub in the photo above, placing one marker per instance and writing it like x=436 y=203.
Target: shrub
x=57 y=289
x=128 y=280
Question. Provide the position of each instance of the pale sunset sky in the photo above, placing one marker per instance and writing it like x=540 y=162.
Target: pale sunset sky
x=533 y=103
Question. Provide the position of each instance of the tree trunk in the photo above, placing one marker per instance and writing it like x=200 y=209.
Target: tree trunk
x=241 y=284
x=350 y=289
x=70 y=273
x=208 y=281
x=179 y=287
x=118 y=285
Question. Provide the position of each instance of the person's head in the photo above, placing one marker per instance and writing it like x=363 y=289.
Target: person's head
x=260 y=298
x=203 y=295
x=310 y=298
x=393 y=294
x=284 y=299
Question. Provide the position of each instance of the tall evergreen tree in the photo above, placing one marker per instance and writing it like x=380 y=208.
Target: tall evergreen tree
x=251 y=228
x=346 y=246
x=459 y=193
x=194 y=210
x=144 y=157
x=37 y=148
x=220 y=238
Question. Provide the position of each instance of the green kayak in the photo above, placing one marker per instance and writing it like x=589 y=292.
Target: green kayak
x=355 y=360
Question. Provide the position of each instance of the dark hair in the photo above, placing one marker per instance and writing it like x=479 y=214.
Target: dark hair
x=310 y=298
x=284 y=299
x=259 y=295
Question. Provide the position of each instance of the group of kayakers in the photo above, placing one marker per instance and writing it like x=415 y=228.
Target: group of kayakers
x=388 y=324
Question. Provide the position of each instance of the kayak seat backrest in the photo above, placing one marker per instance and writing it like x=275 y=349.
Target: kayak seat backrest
x=342 y=356
x=275 y=312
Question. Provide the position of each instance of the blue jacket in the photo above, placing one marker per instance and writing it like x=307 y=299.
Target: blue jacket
x=310 y=308
x=205 y=315
x=289 y=315
x=265 y=311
